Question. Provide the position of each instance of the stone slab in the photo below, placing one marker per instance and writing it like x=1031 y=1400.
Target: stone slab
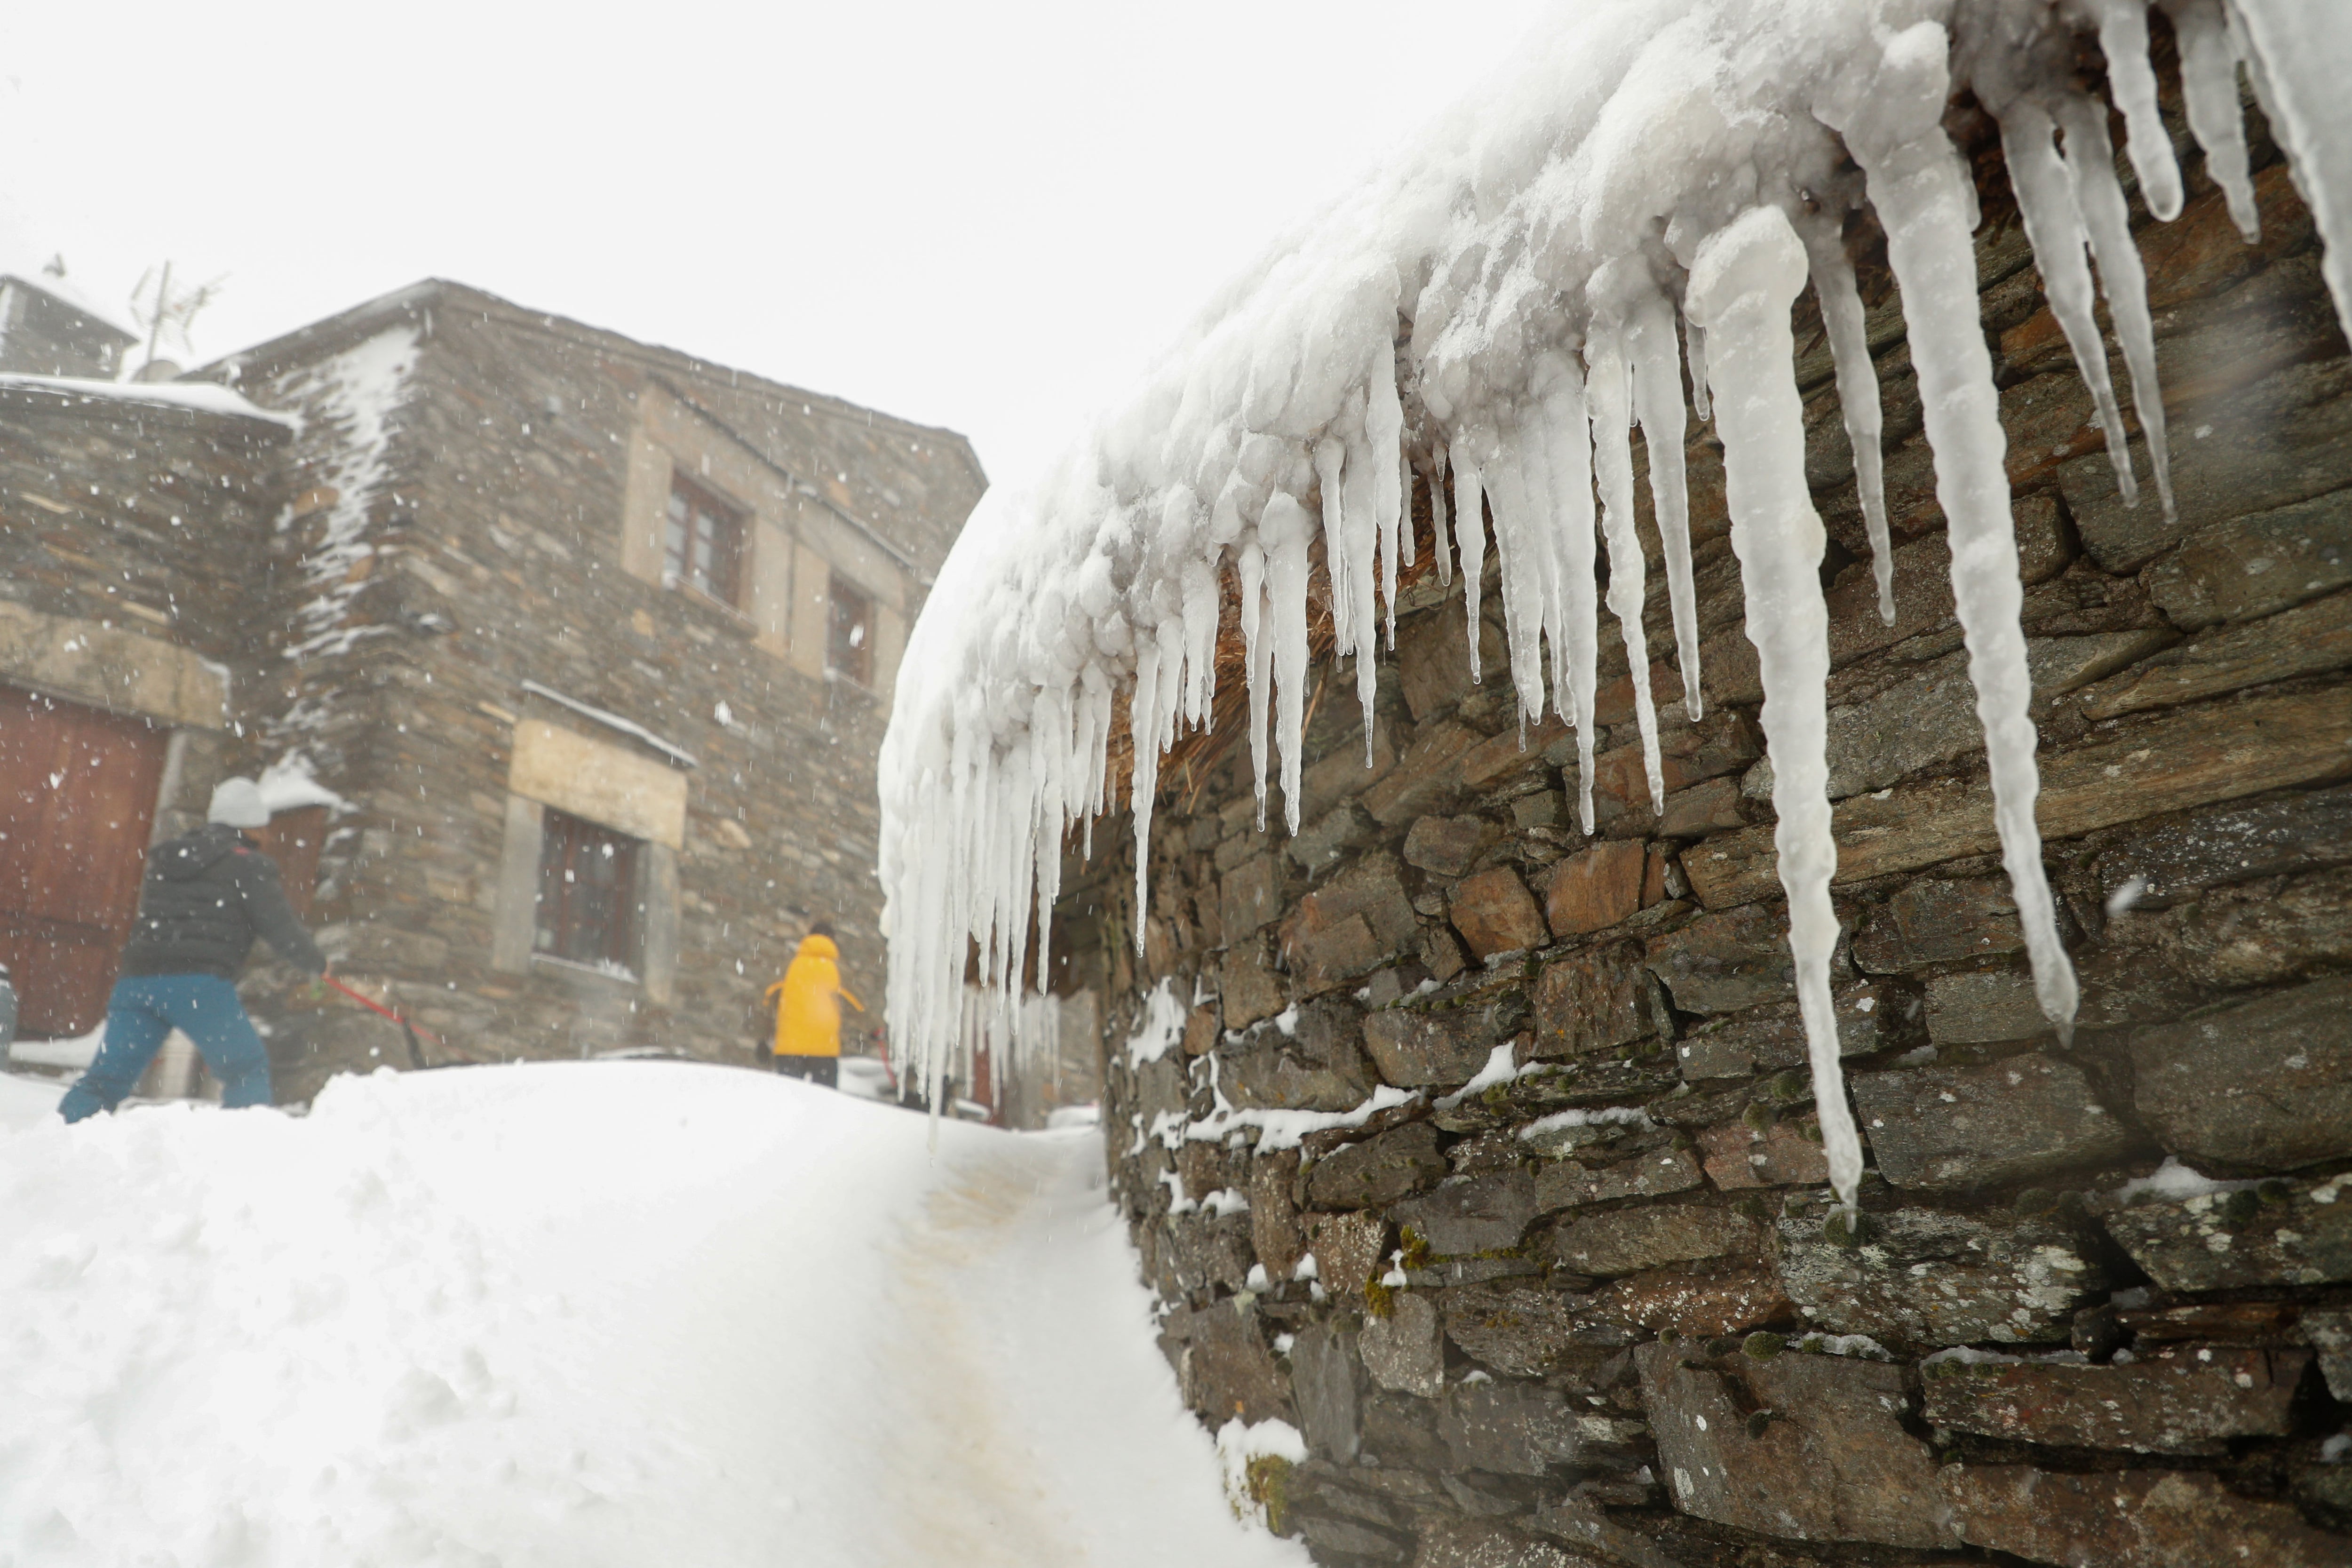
x=1403 y=1351
x=1696 y=1300
x=1787 y=1153
x=1596 y=889
x=1574 y=1182
x=1630 y=1240
x=2186 y=1400
x=1449 y=846
x=1323 y=1382
x=1523 y=1329
x=1830 y=1461
x=2176 y=761
x=1933 y=921
x=2257 y=565
x=2130 y=1519
x=1348 y=1249
x=1931 y=1277
x=1495 y=913
x=2309 y=640
x=1592 y=1001
x=1379 y=1170
x=2227 y=1241
x=2178 y=859
x=1414 y=1046
x=2003 y=1122
x=1509 y=1428
x=1472 y=1215
x=2267 y=1085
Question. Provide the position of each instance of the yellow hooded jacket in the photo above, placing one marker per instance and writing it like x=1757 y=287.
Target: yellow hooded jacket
x=808 y=1018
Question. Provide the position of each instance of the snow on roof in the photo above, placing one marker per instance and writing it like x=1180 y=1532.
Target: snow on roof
x=1499 y=307
x=200 y=396
x=629 y=726
x=26 y=255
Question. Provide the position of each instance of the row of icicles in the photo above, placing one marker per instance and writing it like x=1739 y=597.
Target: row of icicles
x=991 y=852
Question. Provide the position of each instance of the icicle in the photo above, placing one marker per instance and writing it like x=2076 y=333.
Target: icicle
x=1363 y=479
x=1607 y=395
x=1470 y=532
x=1658 y=401
x=1406 y=545
x=2305 y=52
x=2209 y=80
x=2100 y=197
x=1694 y=352
x=1258 y=642
x=1283 y=531
x=2123 y=38
x=1559 y=388
x=1917 y=184
x=1857 y=388
x=1201 y=615
x=1438 y=545
x=1515 y=529
x=2054 y=226
x=1385 y=434
x=1330 y=463
x=1742 y=284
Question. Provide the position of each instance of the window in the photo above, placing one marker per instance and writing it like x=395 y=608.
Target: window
x=849 y=649
x=702 y=543
x=588 y=903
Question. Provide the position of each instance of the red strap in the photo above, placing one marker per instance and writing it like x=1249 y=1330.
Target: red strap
x=385 y=1012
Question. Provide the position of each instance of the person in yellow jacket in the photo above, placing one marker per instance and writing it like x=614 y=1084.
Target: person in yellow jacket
x=808 y=1010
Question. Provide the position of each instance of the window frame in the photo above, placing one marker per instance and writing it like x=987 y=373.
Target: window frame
x=570 y=932
x=727 y=533
x=860 y=651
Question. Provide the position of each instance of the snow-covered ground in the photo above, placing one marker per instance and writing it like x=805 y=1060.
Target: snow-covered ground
x=623 y=1313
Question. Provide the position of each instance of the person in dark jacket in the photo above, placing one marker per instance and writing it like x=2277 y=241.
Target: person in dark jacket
x=205 y=898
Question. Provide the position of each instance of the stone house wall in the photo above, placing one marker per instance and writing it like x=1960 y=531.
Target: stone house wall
x=125 y=525
x=1596 y=1311
x=480 y=585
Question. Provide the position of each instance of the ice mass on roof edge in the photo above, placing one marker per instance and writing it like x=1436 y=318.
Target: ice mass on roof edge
x=1655 y=164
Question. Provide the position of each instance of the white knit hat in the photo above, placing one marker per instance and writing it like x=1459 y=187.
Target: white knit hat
x=239 y=803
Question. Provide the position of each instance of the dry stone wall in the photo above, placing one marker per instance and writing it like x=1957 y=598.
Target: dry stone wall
x=1593 y=1307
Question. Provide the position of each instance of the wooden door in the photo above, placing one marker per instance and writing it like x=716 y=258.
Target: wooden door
x=76 y=796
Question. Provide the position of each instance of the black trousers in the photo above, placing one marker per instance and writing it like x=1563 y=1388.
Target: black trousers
x=825 y=1070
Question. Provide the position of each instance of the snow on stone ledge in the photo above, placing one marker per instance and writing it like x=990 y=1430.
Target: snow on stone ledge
x=198 y=397
x=1645 y=192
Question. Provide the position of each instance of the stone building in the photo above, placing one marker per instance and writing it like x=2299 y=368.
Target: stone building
x=1536 y=1106
x=567 y=657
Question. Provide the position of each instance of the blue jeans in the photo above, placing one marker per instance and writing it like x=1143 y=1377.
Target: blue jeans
x=143 y=1009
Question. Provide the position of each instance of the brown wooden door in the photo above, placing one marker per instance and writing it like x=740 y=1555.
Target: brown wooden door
x=77 y=795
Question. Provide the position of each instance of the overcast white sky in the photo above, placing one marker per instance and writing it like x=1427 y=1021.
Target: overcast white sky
x=987 y=217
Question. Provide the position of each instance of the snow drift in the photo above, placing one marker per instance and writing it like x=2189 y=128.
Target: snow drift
x=581 y=1314
x=1642 y=200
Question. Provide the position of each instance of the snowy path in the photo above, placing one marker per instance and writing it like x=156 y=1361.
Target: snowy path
x=609 y=1314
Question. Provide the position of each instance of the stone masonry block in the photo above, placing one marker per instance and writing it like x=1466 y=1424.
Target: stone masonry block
x=1448 y=846
x=1810 y=1447
x=2182 y=1400
x=1930 y=1277
x=1596 y=889
x=2130 y=1519
x=1630 y=1240
x=1472 y=1214
x=2265 y=1085
x=2257 y=565
x=1495 y=913
x=1377 y=1171
x=1593 y=1001
x=1959 y=1129
x=1403 y=1352
x=2296 y=1235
